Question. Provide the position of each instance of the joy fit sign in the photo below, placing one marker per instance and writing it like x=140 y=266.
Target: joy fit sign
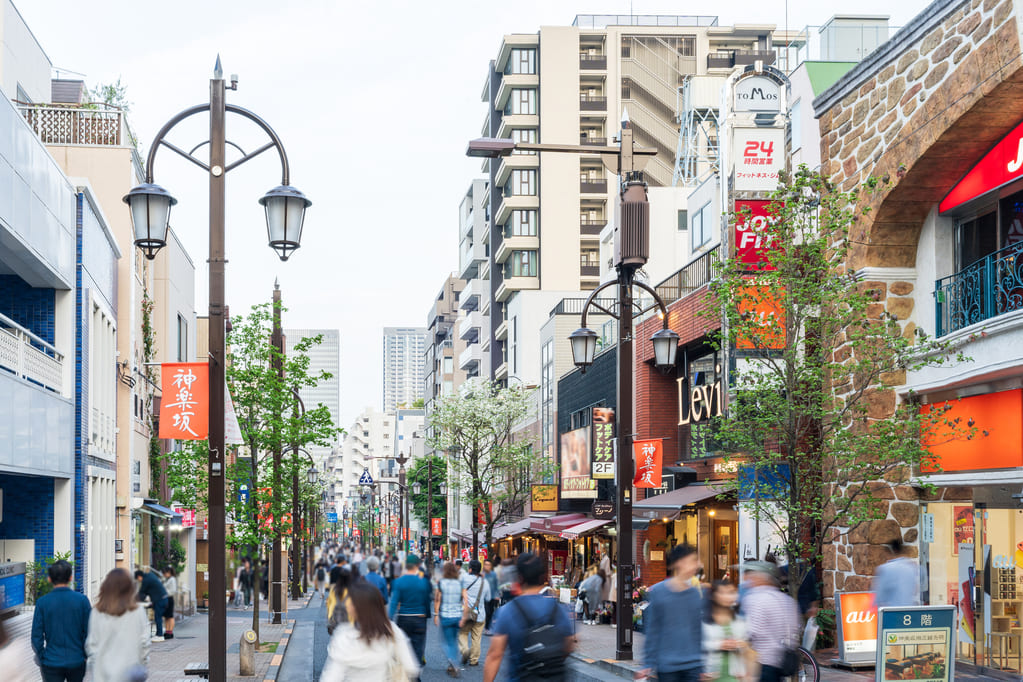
x=1000 y=166
x=857 y=627
x=752 y=239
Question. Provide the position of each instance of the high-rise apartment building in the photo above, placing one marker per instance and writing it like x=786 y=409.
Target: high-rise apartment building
x=441 y=367
x=474 y=301
x=403 y=366
x=369 y=444
x=323 y=357
x=572 y=84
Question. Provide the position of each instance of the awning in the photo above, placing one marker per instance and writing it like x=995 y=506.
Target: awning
x=676 y=499
x=583 y=528
x=510 y=530
x=552 y=525
x=154 y=509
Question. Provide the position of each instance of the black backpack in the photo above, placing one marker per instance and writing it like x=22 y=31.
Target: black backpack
x=543 y=647
x=321 y=574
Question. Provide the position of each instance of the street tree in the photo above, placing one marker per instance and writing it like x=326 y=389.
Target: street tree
x=814 y=422
x=492 y=462
x=422 y=505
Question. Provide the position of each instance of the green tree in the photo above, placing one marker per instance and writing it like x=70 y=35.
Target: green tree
x=813 y=417
x=489 y=464
x=420 y=473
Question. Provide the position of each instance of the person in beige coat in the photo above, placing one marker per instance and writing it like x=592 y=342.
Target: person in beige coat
x=118 y=641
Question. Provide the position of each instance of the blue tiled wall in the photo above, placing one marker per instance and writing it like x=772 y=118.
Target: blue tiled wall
x=28 y=511
x=82 y=318
x=32 y=308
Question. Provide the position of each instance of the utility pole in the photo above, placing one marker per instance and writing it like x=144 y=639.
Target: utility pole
x=276 y=579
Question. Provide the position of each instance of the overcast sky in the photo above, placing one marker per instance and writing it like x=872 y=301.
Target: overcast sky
x=374 y=101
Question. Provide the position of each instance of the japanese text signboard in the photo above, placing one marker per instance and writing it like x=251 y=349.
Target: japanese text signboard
x=576 y=482
x=752 y=239
x=648 y=455
x=758 y=156
x=916 y=643
x=857 y=627
x=603 y=443
x=436 y=526
x=184 y=410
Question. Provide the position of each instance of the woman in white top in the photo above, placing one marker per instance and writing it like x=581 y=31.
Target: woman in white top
x=118 y=641
x=170 y=583
x=725 y=636
x=370 y=648
x=447 y=609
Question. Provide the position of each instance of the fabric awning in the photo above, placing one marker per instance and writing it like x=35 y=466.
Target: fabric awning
x=158 y=510
x=552 y=525
x=676 y=499
x=510 y=530
x=576 y=531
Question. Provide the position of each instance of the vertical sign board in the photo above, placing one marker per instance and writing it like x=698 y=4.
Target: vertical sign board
x=12 y=586
x=603 y=464
x=576 y=482
x=758 y=154
x=437 y=526
x=916 y=643
x=857 y=628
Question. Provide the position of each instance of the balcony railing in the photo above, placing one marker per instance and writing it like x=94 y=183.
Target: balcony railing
x=595 y=141
x=720 y=60
x=589 y=270
x=592 y=103
x=574 y=306
x=29 y=357
x=690 y=278
x=593 y=61
x=743 y=57
x=990 y=287
x=61 y=125
x=591 y=226
x=593 y=185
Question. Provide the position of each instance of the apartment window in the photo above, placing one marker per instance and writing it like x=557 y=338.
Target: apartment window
x=522 y=183
x=524 y=135
x=182 y=339
x=683 y=221
x=687 y=46
x=523 y=223
x=449 y=365
x=523 y=264
x=522 y=60
x=703 y=226
x=521 y=101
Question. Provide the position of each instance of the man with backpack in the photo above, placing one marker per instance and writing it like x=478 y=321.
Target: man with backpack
x=533 y=631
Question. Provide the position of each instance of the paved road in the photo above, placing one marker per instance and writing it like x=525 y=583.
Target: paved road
x=307 y=653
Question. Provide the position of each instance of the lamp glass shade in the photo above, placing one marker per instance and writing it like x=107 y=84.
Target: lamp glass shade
x=312 y=474
x=665 y=348
x=443 y=488
x=150 y=207
x=285 y=214
x=417 y=487
x=584 y=346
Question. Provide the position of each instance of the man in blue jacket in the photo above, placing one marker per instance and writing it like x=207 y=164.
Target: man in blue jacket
x=374 y=578
x=151 y=586
x=412 y=605
x=673 y=621
x=59 y=628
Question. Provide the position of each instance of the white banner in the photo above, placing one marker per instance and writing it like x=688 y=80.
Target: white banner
x=758 y=154
x=232 y=431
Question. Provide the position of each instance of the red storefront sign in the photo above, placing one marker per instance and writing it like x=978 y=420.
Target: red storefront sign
x=649 y=454
x=436 y=527
x=185 y=408
x=187 y=516
x=1000 y=166
x=978 y=432
x=752 y=240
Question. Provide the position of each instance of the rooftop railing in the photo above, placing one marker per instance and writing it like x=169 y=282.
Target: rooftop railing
x=689 y=278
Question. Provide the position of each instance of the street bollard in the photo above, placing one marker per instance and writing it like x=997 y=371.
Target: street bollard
x=247 y=654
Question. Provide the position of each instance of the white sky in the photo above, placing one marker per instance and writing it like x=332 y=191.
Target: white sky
x=374 y=100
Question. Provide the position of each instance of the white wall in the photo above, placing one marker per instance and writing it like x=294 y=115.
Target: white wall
x=22 y=60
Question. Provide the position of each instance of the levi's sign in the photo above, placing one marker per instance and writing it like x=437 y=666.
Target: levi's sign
x=1000 y=166
x=699 y=403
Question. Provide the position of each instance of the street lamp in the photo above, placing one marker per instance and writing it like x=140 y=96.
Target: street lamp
x=442 y=489
x=631 y=252
x=150 y=206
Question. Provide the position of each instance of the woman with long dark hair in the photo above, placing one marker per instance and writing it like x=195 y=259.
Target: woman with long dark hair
x=118 y=641
x=725 y=638
x=370 y=648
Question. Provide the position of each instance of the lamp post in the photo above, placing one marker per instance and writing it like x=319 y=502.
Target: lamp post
x=401 y=459
x=285 y=208
x=296 y=545
x=442 y=489
x=631 y=252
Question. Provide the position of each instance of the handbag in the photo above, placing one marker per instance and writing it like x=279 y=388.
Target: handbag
x=395 y=670
x=469 y=614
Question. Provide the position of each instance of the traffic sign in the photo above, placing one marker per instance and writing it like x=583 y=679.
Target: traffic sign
x=365 y=479
x=332 y=517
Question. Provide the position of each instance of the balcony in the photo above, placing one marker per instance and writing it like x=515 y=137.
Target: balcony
x=516 y=161
x=592 y=103
x=470 y=358
x=592 y=270
x=512 y=284
x=990 y=287
x=574 y=306
x=588 y=185
x=592 y=62
x=594 y=141
x=29 y=357
x=691 y=277
x=515 y=243
x=469 y=298
x=744 y=57
x=501 y=333
x=720 y=60
x=513 y=203
x=470 y=326
x=592 y=226
x=67 y=126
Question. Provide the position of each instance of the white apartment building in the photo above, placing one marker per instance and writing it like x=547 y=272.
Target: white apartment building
x=403 y=366
x=323 y=357
x=474 y=301
x=368 y=443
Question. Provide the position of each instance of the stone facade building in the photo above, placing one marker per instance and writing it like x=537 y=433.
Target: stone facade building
x=935 y=115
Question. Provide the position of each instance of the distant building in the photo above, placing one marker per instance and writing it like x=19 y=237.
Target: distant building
x=323 y=357
x=403 y=366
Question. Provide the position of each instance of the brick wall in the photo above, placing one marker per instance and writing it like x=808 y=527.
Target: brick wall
x=28 y=511
x=30 y=307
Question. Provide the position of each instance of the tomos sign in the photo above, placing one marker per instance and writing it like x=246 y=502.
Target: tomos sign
x=757 y=93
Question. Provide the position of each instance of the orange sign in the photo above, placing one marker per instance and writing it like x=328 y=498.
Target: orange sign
x=436 y=526
x=648 y=455
x=185 y=408
x=857 y=627
x=989 y=434
x=766 y=328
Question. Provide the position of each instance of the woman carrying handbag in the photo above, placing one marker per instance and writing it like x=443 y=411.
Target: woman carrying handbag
x=118 y=641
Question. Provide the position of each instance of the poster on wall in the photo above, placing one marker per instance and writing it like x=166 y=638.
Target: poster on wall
x=758 y=155
x=962 y=527
x=603 y=442
x=967 y=579
x=576 y=483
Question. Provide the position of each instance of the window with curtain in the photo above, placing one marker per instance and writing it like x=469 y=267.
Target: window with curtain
x=523 y=223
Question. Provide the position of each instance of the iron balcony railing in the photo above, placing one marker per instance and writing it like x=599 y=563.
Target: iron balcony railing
x=990 y=287
x=574 y=306
x=690 y=278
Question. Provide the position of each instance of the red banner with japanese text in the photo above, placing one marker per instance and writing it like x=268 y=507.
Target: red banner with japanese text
x=648 y=456
x=436 y=527
x=185 y=407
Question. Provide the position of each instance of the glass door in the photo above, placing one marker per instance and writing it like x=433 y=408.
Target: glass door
x=999 y=556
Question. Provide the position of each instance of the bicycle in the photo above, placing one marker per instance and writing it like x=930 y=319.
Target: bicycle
x=809 y=670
